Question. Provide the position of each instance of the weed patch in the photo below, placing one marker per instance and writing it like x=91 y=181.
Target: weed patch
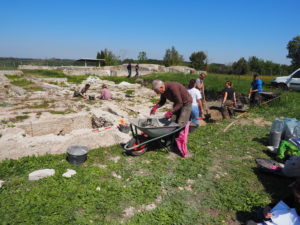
x=13 y=77
x=21 y=82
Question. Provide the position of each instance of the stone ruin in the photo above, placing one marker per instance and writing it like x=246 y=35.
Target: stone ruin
x=50 y=120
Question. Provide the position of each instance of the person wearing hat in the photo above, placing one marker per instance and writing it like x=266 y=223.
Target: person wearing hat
x=176 y=93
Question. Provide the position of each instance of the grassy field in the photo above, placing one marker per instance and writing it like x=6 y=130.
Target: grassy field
x=219 y=184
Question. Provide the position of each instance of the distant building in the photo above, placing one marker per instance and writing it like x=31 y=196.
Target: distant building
x=89 y=61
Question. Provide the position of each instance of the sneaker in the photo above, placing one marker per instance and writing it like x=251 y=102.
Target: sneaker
x=272 y=149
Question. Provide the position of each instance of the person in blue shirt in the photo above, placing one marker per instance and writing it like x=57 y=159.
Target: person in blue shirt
x=256 y=88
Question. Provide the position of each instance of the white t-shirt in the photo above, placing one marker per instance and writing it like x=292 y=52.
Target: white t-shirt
x=196 y=95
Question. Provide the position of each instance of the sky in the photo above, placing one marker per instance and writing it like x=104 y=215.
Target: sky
x=225 y=30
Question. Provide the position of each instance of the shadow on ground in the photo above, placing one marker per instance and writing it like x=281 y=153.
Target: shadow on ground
x=276 y=186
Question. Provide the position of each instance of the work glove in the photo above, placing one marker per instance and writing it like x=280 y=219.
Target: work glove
x=168 y=115
x=153 y=110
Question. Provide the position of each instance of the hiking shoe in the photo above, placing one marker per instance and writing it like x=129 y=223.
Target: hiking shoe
x=272 y=149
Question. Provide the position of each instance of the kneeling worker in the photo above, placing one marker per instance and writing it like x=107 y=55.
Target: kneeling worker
x=176 y=93
x=81 y=92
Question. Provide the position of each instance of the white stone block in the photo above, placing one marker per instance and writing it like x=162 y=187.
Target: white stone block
x=69 y=173
x=39 y=174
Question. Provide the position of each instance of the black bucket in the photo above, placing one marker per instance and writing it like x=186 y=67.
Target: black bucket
x=77 y=155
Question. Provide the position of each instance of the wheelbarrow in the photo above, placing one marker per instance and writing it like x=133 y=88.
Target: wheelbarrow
x=149 y=131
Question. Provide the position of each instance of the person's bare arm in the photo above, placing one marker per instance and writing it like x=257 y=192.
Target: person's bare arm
x=225 y=97
x=234 y=98
x=200 y=105
x=267 y=213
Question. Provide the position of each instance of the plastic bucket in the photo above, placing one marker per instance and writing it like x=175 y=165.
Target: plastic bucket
x=77 y=155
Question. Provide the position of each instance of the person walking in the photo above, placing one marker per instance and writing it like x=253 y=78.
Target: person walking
x=129 y=70
x=176 y=93
x=229 y=100
x=197 y=108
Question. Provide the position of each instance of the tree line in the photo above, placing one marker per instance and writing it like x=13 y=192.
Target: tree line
x=172 y=57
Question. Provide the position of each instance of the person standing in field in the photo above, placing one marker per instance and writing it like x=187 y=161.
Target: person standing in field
x=176 y=93
x=200 y=85
x=256 y=88
x=129 y=70
x=137 y=69
x=229 y=100
x=197 y=108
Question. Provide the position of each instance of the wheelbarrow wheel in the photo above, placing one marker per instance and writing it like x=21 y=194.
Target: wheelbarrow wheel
x=138 y=150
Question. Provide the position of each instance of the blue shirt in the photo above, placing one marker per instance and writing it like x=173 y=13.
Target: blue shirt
x=257 y=85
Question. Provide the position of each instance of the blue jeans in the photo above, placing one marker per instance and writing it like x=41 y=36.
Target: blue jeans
x=195 y=114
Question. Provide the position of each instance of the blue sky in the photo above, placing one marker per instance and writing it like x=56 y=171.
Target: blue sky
x=225 y=29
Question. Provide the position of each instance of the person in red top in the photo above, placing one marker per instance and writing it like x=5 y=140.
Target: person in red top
x=176 y=93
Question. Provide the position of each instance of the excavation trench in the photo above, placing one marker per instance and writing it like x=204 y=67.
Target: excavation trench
x=63 y=125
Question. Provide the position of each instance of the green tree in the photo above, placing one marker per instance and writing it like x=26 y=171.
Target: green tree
x=198 y=60
x=240 y=67
x=294 y=51
x=142 y=57
x=109 y=57
x=255 y=64
x=172 y=57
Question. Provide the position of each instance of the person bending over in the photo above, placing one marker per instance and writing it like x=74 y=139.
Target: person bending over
x=176 y=93
x=81 y=92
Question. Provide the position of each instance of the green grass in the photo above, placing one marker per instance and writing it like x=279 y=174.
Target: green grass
x=15 y=119
x=77 y=79
x=129 y=92
x=44 y=104
x=217 y=185
x=214 y=82
x=12 y=77
x=21 y=82
x=44 y=73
